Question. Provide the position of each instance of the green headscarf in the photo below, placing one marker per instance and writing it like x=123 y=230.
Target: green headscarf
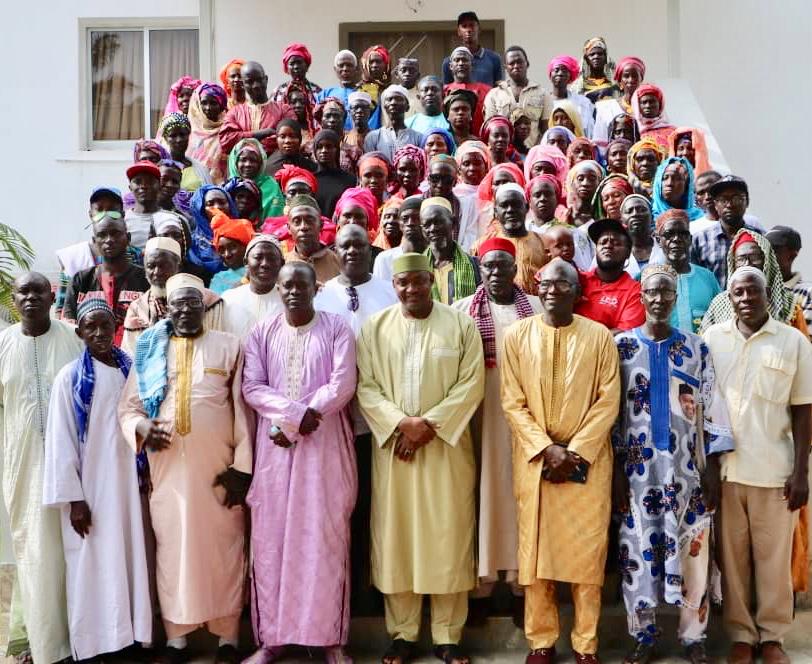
x=273 y=201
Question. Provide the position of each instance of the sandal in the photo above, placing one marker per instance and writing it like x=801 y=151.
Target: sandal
x=450 y=653
x=24 y=657
x=399 y=649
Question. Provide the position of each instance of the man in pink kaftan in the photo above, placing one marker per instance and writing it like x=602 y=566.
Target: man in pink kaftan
x=299 y=377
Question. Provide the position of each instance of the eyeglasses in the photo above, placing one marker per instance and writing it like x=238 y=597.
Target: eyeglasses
x=189 y=305
x=672 y=235
x=110 y=214
x=724 y=201
x=561 y=285
x=354 y=303
x=441 y=178
x=668 y=294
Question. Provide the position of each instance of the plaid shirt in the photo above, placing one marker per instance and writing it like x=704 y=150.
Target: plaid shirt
x=709 y=249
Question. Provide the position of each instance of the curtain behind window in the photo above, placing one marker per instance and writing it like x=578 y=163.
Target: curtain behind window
x=117 y=78
x=172 y=54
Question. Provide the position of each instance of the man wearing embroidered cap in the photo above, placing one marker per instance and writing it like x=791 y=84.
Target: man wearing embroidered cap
x=116 y=280
x=562 y=459
x=456 y=274
x=421 y=374
x=395 y=134
x=497 y=303
x=669 y=399
x=486 y=64
x=510 y=207
x=162 y=259
x=90 y=476
x=183 y=405
x=764 y=369
x=360 y=110
x=31 y=354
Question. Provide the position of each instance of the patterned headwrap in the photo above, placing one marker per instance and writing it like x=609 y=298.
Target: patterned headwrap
x=688 y=202
x=177 y=86
x=781 y=301
x=589 y=44
x=318 y=112
x=301 y=87
x=295 y=49
x=175 y=120
x=445 y=159
x=236 y=62
x=484 y=191
x=569 y=62
x=625 y=119
x=632 y=61
x=363 y=198
x=450 y=145
x=290 y=173
x=654 y=270
x=201 y=250
x=83 y=377
x=236 y=184
x=415 y=154
x=216 y=91
x=239 y=230
x=381 y=50
x=674 y=214
x=612 y=182
x=644 y=144
x=147 y=144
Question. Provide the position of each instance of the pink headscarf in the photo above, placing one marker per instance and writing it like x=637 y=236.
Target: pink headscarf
x=295 y=49
x=473 y=146
x=545 y=177
x=177 y=86
x=630 y=60
x=548 y=153
x=484 y=191
x=568 y=61
x=363 y=198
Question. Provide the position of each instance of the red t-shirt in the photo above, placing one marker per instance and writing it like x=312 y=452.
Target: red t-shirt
x=615 y=304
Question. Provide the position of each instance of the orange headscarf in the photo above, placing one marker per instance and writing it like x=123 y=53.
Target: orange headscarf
x=239 y=62
x=698 y=143
x=240 y=230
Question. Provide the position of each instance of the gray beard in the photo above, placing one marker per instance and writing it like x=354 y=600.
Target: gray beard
x=158 y=291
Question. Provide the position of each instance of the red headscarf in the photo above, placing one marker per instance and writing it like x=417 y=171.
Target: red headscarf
x=236 y=62
x=743 y=238
x=632 y=60
x=496 y=244
x=363 y=198
x=364 y=61
x=493 y=121
x=295 y=49
x=290 y=173
x=544 y=177
x=373 y=160
x=484 y=191
x=240 y=230
x=569 y=62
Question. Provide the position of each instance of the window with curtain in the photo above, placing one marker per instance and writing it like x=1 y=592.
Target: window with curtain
x=131 y=71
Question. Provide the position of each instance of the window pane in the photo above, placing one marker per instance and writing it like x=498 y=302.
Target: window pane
x=172 y=54
x=117 y=78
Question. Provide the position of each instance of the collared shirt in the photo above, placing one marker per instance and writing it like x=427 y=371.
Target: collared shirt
x=615 y=304
x=803 y=289
x=388 y=141
x=709 y=249
x=760 y=378
x=487 y=67
x=534 y=101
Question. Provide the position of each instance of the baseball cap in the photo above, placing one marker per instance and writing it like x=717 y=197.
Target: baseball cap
x=467 y=16
x=98 y=192
x=143 y=167
x=729 y=182
x=601 y=226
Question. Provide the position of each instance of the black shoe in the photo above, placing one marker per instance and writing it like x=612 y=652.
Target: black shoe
x=227 y=654
x=695 y=653
x=170 y=655
x=479 y=610
x=640 y=654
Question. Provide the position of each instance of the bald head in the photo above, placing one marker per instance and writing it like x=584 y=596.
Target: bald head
x=298 y=269
x=352 y=231
x=255 y=81
x=557 y=269
x=33 y=298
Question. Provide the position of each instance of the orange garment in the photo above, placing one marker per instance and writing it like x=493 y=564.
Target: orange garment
x=701 y=161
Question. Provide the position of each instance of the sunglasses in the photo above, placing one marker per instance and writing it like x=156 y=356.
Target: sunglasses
x=110 y=214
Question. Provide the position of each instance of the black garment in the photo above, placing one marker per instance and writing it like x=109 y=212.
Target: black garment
x=332 y=183
x=277 y=160
x=127 y=287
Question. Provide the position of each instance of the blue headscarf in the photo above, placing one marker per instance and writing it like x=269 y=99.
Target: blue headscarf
x=449 y=139
x=688 y=203
x=201 y=251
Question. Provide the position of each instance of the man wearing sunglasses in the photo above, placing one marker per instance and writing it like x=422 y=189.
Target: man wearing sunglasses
x=116 y=280
x=355 y=295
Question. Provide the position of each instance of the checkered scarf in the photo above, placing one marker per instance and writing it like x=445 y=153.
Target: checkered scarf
x=480 y=311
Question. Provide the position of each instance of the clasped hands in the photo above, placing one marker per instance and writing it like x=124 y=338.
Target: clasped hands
x=412 y=434
x=560 y=461
x=310 y=422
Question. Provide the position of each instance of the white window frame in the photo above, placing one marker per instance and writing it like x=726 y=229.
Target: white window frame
x=143 y=25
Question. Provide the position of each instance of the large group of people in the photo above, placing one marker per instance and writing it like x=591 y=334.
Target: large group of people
x=341 y=347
